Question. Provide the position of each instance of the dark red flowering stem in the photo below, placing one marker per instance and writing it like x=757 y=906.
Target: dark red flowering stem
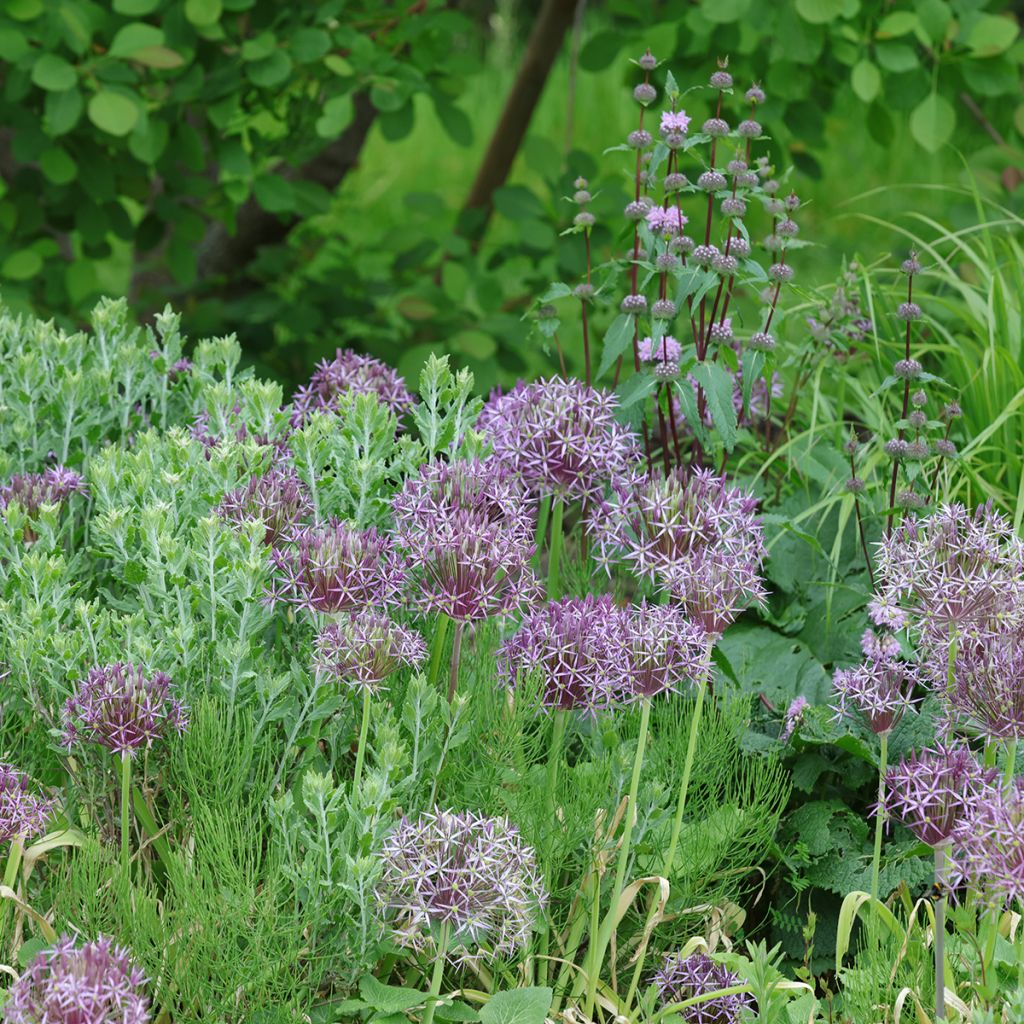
x=860 y=525
x=663 y=427
x=903 y=416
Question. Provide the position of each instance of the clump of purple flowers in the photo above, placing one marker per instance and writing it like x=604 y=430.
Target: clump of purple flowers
x=691 y=534
x=468 y=530
x=989 y=846
x=470 y=874
x=337 y=568
x=92 y=984
x=33 y=490
x=880 y=688
x=122 y=709
x=663 y=648
x=681 y=978
x=988 y=683
x=932 y=792
x=951 y=571
x=575 y=646
x=366 y=648
x=561 y=437
x=348 y=372
x=277 y=498
x=22 y=814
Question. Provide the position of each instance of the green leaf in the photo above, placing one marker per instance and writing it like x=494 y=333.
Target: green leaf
x=133 y=37
x=517 y=1006
x=456 y=1011
x=23 y=10
x=455 y=122
x=58 y=166
x=819 y=12
x=61 y=111
x=717 y=383
x=932 y=122
x=21 y=265
x=896 y=57
x=270 y=72
x=389 y=998
x=31 y=949
x=113 y=112
x=600 y=50
x=991 y=34
x=309 y=44
x=136 y=8
x=618 y=336
x=148 y=141
x=163 y=58
x=899 y=23
x=13 y=44
x=866 y=80
x=336 y=116
x=203 y=13
x=274 y=193
x=935 y=17
x=53 y=73
x=635 y=388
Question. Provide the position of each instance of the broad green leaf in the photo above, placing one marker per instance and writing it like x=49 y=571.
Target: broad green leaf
x=161 y=57
x=819 y=12
x=991 y=34
x=23 y=10
x=635 y=388
x=274 y=193
x=53 y=73
x=270 y=72
x=203 y=13
x=724 y=12
x=600 y=50
x=717 y=383
x=866 y=80
x=935 y=17
x=517 y=1006
x=21 y=265
x=896 y=57
x=131 y=38
x=335 y=117
x=113 y=112
x=58 y=166
x=619 y=335
x=135 y=8
x=61 y=111
x=899 y=23
x=389 y=998
x=454 y=121
x=932 y=122
x=309 y=44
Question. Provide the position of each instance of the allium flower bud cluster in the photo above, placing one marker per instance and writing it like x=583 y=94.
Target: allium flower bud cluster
x=681 y=978
x=467 y=529
x=33 y=490
x=561 y=437
x=364 y=649
x=350 y=372
x=93 y=984
x=278 y=499
x=22 y=814
x=121 y=708
x=470 y=874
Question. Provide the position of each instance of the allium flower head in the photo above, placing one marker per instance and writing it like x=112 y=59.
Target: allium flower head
x=691 y=534
x=576 y=646
x=337 y=568
x=931 y=793
x=880 y=688
x=664 y=649
x=681 y=978
x=350 y=371
x=473 y=874
x=468 y=528
x=988 y=685
x=121 y=708
x=33 y=490
x=277 y=498
x=989 y=846
x=93 y=984
x=561 y=437
x=953 y=570
x=364 y=649
x=22 y=815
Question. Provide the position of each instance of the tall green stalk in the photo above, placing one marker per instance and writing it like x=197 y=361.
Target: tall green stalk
x=437 y=648
x=555 y=549
x=364 y=729
x=1011 y=764
x=14 y=855
x=438 y=974
x=453 y=671
x=876 y=859
x=561 y=719
x=126 y=786
x=940 y=932
x=603 y=938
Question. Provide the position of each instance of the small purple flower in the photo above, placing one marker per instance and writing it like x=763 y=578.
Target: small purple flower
x=364 y=649
x=660 y=350
x=93 y=984
x=668 y=221
x=350 y=372
x=561 y=437
x=989 y=846
x=880 y=688
x=337 y=568
x=22 y=815
x=716 y=127
x=931 y=793
x=794 y=716
x=121 y=708
x=278 y=499
x=468 y=529
x=33 y=490
x=470 y=873
x=674 y=122
x=681 y=978
x=576 y=647
x=691 y=534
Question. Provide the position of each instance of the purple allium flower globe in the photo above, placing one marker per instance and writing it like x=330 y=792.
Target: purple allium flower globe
x=931 y=793
x=690 y=534
x=337 y=568
x=277 y=498
x=22 y=814
x=96 y=983
x=469 y=873
x=988 y=684
x=468 y=529
x=988 y=851
x=681 y=978
x=663 y=648
x=364 y=649
x=575 y=645
x=350 y=372
x=121 y=708
x=880 y=688
x=33 y=490
x=561 y=437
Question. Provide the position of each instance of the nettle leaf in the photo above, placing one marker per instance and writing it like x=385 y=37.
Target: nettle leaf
x=617 y=338
x=517 y=1006
x=717 y=383
x=636 y=388
x=558 y=290
x=389 y=998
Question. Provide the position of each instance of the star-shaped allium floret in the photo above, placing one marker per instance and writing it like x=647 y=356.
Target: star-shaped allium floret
x=681 y=978
x=33 y=490
x=988 y=851
x=22 y=813
x=880 y=688
x=277 y=498
x=364 y=649
x=664 y=650
x=988 y=683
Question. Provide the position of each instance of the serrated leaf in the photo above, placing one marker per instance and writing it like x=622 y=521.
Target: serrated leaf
x=616 y=339
x=557 y=290
x=517 y=1006
x=717 y=383
x=636 y=388
x=389 y=998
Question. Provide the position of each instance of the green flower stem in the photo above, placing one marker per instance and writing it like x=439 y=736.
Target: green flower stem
x=453 y=674
x=364 y=729
x=126 y=789
x=11 y=874
x=608 y=925
x=940 y=933
x=542 y=530
x=555 y=549
x=876 y=858
x=561 y=719
x=438 y=975
x=437 y=648
x=1011 y=764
